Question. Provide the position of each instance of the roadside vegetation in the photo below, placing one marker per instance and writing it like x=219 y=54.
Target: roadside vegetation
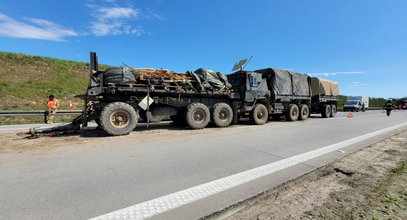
x=26 y=82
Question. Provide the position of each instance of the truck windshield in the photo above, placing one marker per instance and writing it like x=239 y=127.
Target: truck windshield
x=351 y=102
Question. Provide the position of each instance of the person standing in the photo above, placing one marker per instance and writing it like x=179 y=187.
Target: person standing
x=388 y=106
x=53 y=106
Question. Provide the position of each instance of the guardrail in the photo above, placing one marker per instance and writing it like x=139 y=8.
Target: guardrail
x=4 y=113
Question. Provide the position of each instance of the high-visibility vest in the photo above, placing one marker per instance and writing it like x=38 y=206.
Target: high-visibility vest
x=52 y=103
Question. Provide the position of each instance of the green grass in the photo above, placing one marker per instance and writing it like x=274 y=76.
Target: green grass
x=26 y=81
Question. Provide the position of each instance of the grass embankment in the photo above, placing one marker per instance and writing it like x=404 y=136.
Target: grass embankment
x=26 y=82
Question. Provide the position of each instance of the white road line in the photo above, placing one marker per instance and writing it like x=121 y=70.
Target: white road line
x=171 y=201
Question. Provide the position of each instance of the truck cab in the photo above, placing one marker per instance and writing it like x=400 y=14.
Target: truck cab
x=252 y=87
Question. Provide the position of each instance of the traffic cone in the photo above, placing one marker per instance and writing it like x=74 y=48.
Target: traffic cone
x=70 y=106
x=349 y=115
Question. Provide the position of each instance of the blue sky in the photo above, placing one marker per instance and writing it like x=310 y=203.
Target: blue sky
x=362 y=44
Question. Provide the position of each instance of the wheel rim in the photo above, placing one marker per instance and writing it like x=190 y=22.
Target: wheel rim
x=304 y=112
x=260 y=113
x=294 y=112
x=199 y=116
x=223 y=114
x=120 y=119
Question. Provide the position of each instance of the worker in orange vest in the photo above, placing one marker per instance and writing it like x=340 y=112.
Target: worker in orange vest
x=53 y=106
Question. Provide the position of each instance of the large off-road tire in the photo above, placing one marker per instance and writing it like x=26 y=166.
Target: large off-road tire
x=333 y=111
x=326 y=111
x=304 y=112
x=118 y=118
x=222 y=114
x=259 y=115
x=197 y=115
x=153 y=118
x=293 y=113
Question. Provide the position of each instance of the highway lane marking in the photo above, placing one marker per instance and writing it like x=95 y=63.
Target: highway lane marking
x=171 y=201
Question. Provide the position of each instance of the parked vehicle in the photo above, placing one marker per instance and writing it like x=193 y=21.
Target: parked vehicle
x=356 y=103
x=324 y=97
x=401 y=104
x=288 y=94
x=117 y=97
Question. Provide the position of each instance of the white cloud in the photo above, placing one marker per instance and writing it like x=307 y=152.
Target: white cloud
x=114 y=20
x=35 y=29
x=150 y=13
x=357 y=84
x=335 y=73
x=116 y=13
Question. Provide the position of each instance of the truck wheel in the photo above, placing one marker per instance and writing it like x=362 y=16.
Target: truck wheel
x=222 y=114
x=326 y=111
x=197 y=115
x=118 y=118
x=304 y=112
x=153 y=119
x=292 y=113
x=259 y=115
x=333 y=110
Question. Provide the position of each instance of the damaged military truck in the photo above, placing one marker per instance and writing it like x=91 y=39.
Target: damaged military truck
x=117 y=97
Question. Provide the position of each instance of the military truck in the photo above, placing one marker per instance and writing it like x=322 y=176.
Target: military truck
x=117 y=97
x=189 y=99
x=324 y=99
x=287 y=93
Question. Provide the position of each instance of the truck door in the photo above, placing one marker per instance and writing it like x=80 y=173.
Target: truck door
x=256 y=87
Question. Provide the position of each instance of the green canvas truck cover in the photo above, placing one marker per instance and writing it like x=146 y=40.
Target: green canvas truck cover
x=286 y=83
x=324 y=87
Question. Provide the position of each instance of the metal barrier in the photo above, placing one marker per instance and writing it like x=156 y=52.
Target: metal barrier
x=4 y=113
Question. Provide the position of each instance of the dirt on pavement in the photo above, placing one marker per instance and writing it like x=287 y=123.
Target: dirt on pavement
x=368 y=184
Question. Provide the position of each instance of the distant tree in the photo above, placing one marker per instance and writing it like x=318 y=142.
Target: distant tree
x=376 y=102
x=342 y=100
x=373 y=102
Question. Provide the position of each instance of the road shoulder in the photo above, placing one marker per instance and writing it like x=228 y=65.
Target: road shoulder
x=368 y=184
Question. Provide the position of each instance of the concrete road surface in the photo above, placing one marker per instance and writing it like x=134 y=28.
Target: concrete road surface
x=176 y=173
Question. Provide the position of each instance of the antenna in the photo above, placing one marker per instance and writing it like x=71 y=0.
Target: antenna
x=241 y=64
x=248 y=62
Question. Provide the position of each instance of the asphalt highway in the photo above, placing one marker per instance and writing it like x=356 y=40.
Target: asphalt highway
x=176 y=173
